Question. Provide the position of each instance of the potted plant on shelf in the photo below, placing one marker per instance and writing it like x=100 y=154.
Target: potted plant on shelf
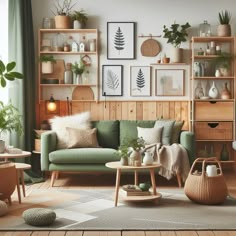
x=62 y=15
x=176 y=35
x=78 y=69
x=224 y=28
x=79 y=19
x=223 y=63
x=47 y=62
x=10 y=118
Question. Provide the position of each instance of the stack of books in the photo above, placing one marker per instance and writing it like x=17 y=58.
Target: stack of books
x=133 y=190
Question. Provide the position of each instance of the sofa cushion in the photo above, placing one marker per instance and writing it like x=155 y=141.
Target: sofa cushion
x=128 y=129
x=150 y=135
x=81 y=138
x=107 y=133
x=167 y=130
x=176 y=131
x=59 y=124
x=84 y=156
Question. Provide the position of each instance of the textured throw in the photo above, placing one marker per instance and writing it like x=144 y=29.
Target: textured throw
x=173 y=158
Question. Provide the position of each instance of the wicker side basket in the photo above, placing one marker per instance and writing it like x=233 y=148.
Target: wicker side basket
x=203 y=189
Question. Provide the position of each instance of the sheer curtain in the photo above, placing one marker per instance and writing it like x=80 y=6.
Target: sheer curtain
x=21 y=49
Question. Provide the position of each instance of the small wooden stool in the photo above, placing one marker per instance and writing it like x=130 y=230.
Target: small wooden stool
x=20 y=167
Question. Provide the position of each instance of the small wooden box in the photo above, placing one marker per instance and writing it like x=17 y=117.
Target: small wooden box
x=214 y=110
x=213 y=130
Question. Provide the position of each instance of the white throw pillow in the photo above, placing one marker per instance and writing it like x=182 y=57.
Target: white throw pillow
x=150 y=135
x=59 y=125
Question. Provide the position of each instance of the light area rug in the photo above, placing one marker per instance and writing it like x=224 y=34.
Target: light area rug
x=93 y=209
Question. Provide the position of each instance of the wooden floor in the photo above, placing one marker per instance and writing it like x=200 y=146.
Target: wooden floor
x=72 y=182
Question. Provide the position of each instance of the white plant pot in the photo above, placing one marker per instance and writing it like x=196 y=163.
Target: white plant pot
x=177 y=55
x=2 y=146
x=77 y=24
x=47 y=67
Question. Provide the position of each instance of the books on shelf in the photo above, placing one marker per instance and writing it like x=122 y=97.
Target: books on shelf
x=133 y=190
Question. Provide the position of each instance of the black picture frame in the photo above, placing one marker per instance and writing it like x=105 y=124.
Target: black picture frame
x=120 y=40
x=112 y=80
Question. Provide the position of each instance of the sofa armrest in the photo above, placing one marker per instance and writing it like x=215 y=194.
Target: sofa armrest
x=187 y=139
x=48 y=144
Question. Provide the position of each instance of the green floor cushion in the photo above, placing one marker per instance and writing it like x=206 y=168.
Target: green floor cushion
x=39 y=216
x=3 y=208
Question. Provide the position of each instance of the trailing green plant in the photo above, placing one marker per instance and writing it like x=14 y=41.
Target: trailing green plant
x=64 y=8
x=46 y=58
x=7 y=73
x=10 y=119
x=78 y=68
x=223 y=60
x=81 y=16
x=176 y=34
x=224 y=17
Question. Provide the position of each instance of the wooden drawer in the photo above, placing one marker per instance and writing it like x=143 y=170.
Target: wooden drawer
x=213 y=130
x=214 y=111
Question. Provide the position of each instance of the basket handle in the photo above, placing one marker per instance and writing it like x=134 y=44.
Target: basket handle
x=204 y=160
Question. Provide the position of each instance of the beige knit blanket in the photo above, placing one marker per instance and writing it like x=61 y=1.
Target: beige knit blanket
x=173 y=158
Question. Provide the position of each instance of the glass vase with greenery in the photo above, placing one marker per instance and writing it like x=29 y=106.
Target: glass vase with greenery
x=78 y=69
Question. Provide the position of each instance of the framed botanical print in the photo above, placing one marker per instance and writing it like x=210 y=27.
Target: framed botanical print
x=170 y=82
x=112 y=80
x=120 y=40
x=140 y=81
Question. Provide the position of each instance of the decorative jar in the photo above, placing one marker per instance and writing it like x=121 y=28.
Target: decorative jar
x=205 y=29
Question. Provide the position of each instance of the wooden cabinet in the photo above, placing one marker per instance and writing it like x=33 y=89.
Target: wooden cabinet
x=65 y=46
x=213 y=118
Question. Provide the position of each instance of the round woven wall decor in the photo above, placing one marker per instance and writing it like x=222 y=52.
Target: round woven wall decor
x=150 y=48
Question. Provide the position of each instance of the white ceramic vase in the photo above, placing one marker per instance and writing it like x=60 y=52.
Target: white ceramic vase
x=213 y=92
x=148 y=158
x=177 y=55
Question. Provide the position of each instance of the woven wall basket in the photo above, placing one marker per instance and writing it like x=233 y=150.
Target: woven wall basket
x=203 y=189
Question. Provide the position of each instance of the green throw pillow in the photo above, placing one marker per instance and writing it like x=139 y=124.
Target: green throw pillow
x=167 y=130
x=107 y=133
x=176 y=131
x=128 y=129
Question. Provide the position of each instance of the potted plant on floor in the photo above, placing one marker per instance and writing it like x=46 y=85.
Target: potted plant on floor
x=79 y=19
x=176 y=35
x=62 y=15
x=10 y=118
x=47 y=62
x=224 y=28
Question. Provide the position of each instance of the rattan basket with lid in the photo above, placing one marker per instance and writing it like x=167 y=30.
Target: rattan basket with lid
x=204 y=189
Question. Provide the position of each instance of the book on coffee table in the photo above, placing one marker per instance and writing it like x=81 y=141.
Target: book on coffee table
x=133 y=190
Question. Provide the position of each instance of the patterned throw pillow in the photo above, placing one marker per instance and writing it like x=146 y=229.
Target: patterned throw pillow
x=80 y=138
x=150 y=135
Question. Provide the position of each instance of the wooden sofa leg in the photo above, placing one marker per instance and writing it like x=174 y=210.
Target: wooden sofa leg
x=53 y=177
x=178 y=175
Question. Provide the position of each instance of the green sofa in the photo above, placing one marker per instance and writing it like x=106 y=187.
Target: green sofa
x=110 y=135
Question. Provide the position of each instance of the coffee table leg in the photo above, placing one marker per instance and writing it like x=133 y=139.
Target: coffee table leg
x=118 y=172
x=152 y=174
x=135 y=177
x=22 y=181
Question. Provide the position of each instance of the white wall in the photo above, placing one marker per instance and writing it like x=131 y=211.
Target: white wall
x=150 y=16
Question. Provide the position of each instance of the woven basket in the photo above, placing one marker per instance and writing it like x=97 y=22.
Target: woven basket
x=203 y=189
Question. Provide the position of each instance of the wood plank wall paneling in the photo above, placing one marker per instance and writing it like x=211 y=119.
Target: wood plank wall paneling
x=122 y=110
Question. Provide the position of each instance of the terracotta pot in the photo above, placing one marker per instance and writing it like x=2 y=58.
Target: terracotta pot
x=224 y=30
x=165 y=60
x=62 y=22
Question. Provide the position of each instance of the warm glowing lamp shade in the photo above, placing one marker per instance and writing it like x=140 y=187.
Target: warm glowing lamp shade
x=51 y=104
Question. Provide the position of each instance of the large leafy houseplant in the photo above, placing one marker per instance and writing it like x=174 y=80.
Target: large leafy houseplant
x=176 y=34
x=10 y=118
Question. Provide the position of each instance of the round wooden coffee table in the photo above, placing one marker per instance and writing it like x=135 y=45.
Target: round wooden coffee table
x=116 y=165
